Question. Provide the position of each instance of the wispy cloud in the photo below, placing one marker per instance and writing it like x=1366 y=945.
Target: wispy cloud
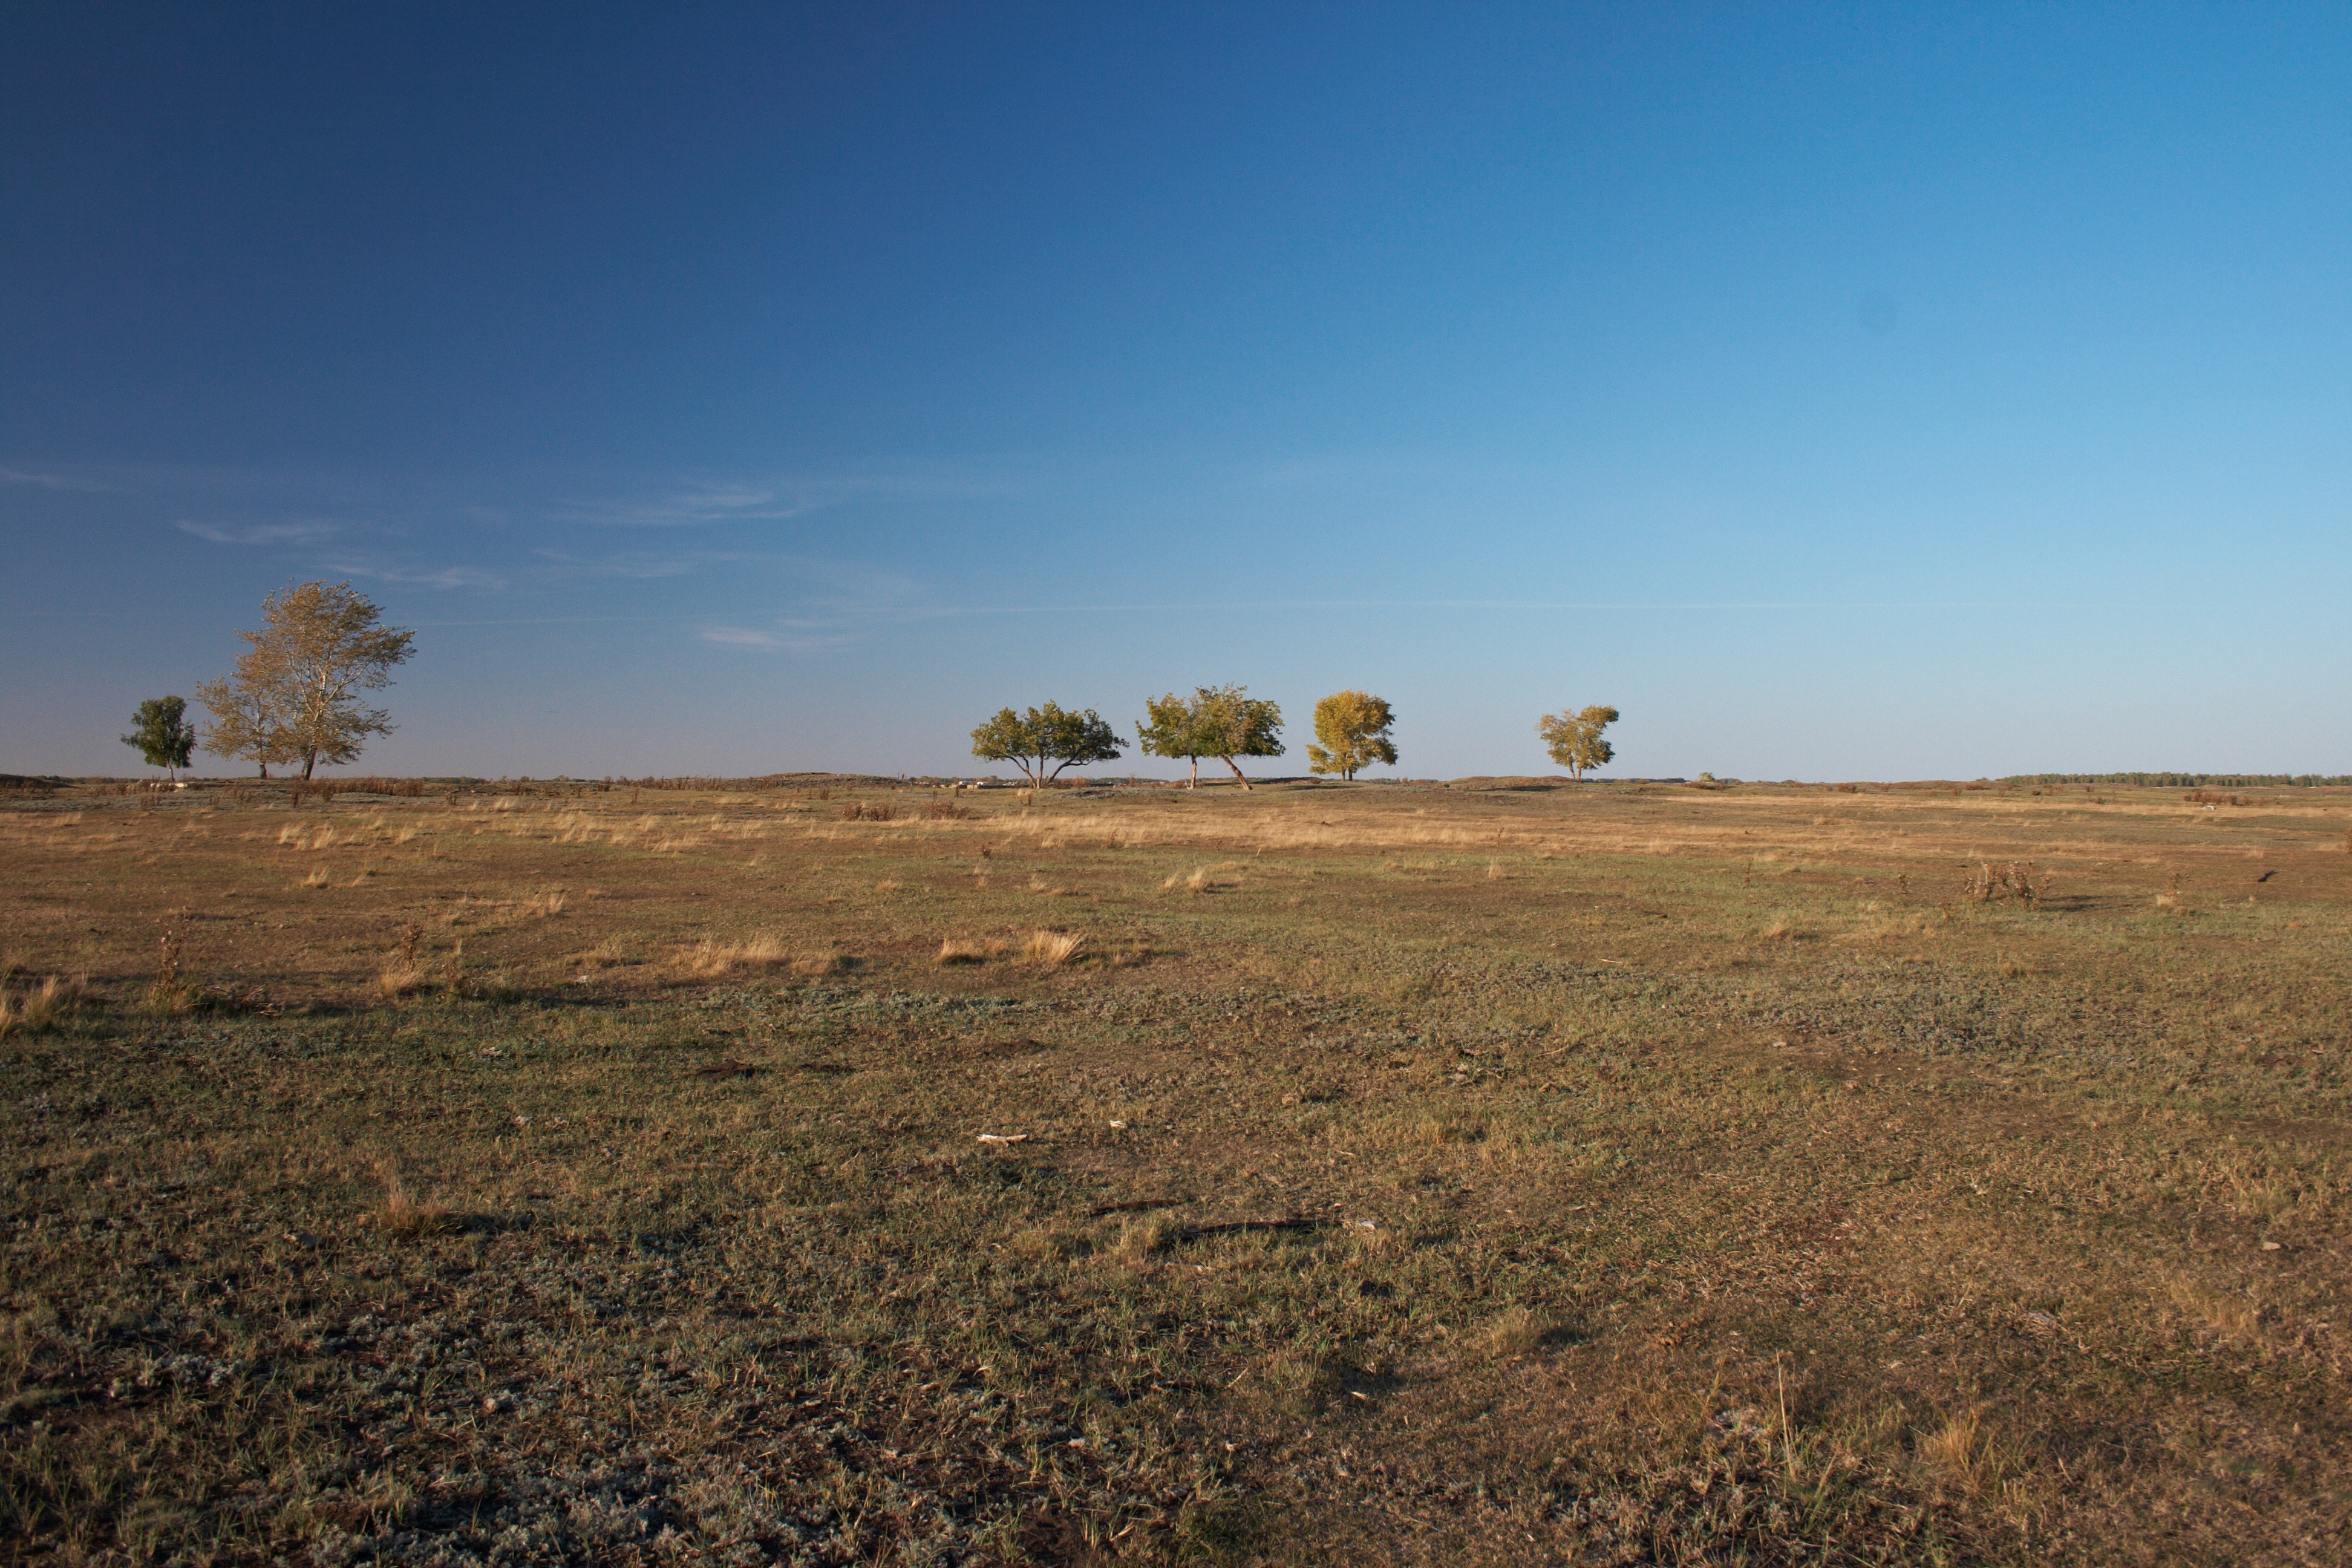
x=689 y=508
x=701 y=505
x=787 y=638
x=428 y=577
x=55 y=482
x=640 y=566
x=261 y=533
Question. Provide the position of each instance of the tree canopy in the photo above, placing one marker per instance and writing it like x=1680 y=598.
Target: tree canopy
x=1220 y=721
x=1353 y=727
x=161 y=731
x=1170 y=727
x=294 y=695
x=1574 y=739
x=1050 y=734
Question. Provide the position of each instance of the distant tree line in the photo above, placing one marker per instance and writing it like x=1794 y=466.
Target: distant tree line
x=1226 y=723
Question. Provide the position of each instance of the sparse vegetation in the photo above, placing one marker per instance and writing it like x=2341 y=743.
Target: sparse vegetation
x=1632 y=1173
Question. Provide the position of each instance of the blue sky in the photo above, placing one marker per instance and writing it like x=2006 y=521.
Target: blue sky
x=1854 y=392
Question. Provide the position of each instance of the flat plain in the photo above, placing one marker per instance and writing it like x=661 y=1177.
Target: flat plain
x=830 y=1171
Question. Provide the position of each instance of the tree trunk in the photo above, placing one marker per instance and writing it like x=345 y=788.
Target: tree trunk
x=308 y=763
x=1194 y=783
x=1237 y=771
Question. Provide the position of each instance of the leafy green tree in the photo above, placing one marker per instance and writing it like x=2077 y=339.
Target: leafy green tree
x=1170 y=727
x=1574 y=739
x=1046 y=735
x=1220 y=721
x=295 y=693
x=1233 y=724
x=161 y=731
x=1353 y=727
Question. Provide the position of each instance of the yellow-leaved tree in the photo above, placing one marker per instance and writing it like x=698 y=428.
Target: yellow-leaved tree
x=1352 y=730
x=294 y=696
x=1574 y=739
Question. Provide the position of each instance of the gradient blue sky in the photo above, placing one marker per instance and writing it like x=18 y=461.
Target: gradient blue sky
x=1856 y=392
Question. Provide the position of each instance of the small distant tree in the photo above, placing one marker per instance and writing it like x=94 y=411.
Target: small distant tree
x=1172 y=727
x=1046 y=735
x=1220 y=721
x=1353 y=727
x=161 y=731
x=294 y=695
x=1574 y=739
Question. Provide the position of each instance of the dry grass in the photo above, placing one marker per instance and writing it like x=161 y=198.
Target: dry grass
x=43 y=1006
x=710 y=959
x=398 y=982
x=1961 y=1454
x=405 y=1219
x=1050 y=949
x=1517 y=1330
x=1378 y=1208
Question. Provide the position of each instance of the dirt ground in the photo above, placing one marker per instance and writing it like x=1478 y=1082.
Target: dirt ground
x=833 y=1172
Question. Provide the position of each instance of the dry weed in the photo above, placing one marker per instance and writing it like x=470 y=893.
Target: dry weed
x=396 y=982
x=317 y=878
x=2234 y=1320
x=403 y=1217
x=1517 y=1330
x=1050 y=949
x=1200 y=879
x=813 y=965
x=711 y=958
x=41 y=1008
x=1143 y=1237
x=968 y=949
x=1962 y=1454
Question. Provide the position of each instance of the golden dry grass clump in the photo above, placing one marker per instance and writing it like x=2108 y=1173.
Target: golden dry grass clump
x=1052 y=949
x=715 y=958
x=1517 y=1330
x=41 y=1006
x=404 y=1218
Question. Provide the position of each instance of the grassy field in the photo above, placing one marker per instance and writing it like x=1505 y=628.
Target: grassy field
x=1497 y=1173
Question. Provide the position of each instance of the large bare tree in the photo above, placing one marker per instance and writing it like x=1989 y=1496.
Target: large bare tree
x=295 y=694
